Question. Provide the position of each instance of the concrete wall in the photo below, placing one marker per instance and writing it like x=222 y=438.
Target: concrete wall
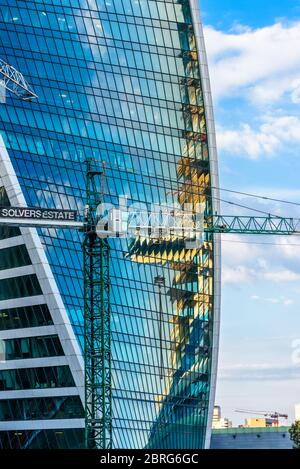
x=251 y=438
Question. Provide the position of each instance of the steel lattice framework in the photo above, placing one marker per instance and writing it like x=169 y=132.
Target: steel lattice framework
x=97 y=349
x=251 y=225
x=14 y=82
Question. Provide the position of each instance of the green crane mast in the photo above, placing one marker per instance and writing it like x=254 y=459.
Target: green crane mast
x=97 y=350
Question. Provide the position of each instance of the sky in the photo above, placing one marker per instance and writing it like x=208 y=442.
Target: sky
x=254 y=59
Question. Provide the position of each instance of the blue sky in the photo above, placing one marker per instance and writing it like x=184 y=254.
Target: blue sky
x=255 y=13
x=254 y=57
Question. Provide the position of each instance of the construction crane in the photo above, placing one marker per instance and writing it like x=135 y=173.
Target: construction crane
x=14 y=81
x=274 y=416
x=97 y=353
x=97 y=335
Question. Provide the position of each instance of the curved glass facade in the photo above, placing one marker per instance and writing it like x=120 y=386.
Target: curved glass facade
x=120 y=82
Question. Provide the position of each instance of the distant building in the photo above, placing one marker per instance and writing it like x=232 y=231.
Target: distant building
x=216 y=413
x=251 y=438
x=260 y=422
x=222 y=423
x=218 y=421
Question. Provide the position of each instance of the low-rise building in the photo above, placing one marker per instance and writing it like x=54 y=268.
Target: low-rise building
x=251 y=438
x=258 y=422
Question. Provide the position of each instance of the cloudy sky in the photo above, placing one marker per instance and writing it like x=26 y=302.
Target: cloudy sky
x=254 y=55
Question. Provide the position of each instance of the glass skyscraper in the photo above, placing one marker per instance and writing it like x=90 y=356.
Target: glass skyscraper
x=125 y=83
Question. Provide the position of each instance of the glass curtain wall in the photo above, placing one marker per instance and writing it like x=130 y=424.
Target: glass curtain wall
x=119 y=82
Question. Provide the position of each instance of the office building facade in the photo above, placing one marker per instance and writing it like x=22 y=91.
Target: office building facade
x=124 y=83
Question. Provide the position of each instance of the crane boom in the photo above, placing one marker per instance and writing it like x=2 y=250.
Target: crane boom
x=262 y=412
x=269 y=225
x=274 y=416
x=14 y=81
x=143 y=223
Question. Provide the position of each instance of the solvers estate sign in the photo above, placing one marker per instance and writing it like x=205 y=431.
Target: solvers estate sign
x=37 y=213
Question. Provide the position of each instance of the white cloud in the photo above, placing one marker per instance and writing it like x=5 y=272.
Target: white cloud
x=259 y=372
x=243 y=274
x=246 y=263
x=288 y=249
x=285 y=193
x=268 y=139
x=237 y=275
x=295 y=95
x=274 y=300
x=235 y=252
x=262 y=64
x=282 y=276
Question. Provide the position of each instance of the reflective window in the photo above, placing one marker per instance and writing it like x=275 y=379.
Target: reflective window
x=53 y=439
x=9 y=231
x=6 y=231
x=26 y=316
x=16 y=256
x=32 y=347
x=36 y=378
x=19 y=287
x=41 y=408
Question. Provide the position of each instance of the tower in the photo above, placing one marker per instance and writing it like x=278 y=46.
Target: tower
x=127 y=84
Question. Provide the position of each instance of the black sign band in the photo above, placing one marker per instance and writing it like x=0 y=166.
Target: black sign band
x=38 y=213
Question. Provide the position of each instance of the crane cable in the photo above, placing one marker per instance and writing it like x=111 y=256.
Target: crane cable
x=257 y=196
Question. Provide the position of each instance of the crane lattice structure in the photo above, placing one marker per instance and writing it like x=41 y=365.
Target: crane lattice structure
x=97 y=334
x=97 y=355
x=14 y=81
x=251 y=225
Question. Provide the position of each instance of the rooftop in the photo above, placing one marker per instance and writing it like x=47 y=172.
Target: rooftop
x=237 y=430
